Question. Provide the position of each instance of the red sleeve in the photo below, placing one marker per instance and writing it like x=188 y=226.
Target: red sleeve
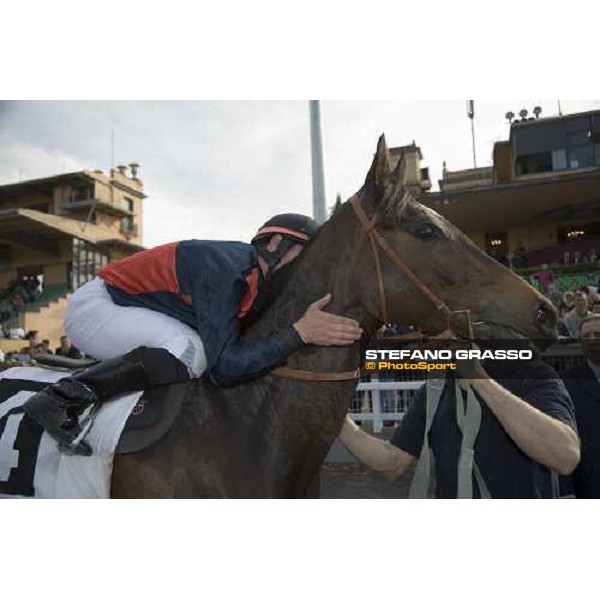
x=148 y=271
x=250 y=295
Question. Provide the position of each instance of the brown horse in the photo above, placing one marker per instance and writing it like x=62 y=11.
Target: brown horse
x=268 y=438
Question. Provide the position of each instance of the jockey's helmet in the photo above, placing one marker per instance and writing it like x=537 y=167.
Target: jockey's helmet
x=295 y=229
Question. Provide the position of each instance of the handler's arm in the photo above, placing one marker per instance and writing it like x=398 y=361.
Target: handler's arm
x=374 y=453
x=543 y=438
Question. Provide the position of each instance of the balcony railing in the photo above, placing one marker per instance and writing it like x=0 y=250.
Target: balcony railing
x=116 y=205
x=129 y=229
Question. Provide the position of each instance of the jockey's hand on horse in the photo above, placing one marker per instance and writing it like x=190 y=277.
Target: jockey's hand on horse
x=324 y=329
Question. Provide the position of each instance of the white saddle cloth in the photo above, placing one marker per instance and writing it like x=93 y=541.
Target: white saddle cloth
x=57 y=475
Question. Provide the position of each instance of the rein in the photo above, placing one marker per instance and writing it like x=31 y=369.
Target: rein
x=378 y=244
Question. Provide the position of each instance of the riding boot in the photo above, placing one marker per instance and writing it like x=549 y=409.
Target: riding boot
x=57 y=408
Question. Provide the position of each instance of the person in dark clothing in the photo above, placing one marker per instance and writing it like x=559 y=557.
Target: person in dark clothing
x=175 y=312
x=526 y=438
x=583 y=384
x=67 y=349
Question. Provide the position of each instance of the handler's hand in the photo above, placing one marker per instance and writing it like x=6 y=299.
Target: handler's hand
x=470 y=369
x=324 y=329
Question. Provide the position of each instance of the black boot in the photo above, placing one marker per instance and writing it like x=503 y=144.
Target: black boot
x=57 y=408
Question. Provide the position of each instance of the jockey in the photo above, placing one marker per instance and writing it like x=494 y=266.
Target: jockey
x=175 y=312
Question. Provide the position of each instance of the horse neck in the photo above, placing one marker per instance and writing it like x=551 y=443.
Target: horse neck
x=294 y=424
x=326 y=266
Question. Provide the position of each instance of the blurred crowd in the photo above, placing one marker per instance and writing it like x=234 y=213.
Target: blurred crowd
x=573 y=305
x=33 y=347
x=575 y=256
x=17 y=294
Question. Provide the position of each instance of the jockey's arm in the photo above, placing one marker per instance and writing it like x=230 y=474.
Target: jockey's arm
x=241 y=361
x=544 y=438
x=374 y=453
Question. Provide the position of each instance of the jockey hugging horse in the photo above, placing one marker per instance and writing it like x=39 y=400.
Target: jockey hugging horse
x=175 y=312
x=240 y=314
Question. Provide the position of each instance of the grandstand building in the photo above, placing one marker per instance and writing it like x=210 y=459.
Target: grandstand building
x=542 y=192
x=540 y=200
x=59 y=231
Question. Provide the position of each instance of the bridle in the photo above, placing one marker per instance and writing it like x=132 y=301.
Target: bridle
x=379 y=244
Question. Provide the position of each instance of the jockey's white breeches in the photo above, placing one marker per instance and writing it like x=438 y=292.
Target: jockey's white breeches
x=103 y=330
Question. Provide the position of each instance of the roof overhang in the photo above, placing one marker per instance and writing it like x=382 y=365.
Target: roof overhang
x=32 y=229
x=45 y=183
x=118 y=243
x=542 y=197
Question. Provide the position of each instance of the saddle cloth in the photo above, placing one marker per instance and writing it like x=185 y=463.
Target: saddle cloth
x=31 y=466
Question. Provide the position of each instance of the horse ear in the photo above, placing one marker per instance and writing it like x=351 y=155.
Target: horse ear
x=380 y=168
x=399 y=169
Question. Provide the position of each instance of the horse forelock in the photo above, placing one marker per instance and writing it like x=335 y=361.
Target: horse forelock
x=400 y=209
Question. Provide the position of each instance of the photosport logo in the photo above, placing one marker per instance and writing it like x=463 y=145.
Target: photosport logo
x=441 y=356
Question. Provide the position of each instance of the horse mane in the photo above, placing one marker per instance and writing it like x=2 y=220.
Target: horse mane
x=289 y=272
x=389 y=213
x=391 y=209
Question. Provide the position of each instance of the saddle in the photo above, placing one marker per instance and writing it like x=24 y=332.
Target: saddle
x=151 y=418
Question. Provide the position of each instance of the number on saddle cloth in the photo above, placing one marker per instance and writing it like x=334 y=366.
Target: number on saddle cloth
x=20 y=438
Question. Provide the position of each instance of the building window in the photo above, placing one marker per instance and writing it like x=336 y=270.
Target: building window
x=581 y=157
x=81 y=193
x=580 y=148
x=496 y=245
x=127 y=225
x=129 y=204
x=534 y=163
x=578 y=138
x=559 y=160
x=587 y=231
x=87 y=261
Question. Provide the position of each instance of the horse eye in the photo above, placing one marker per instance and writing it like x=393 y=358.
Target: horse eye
x=426 y=232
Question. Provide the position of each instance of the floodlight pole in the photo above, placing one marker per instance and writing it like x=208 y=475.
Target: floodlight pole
x=318 y=169
x=471 y=115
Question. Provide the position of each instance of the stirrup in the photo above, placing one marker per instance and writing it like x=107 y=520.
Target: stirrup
x=75 y=448
x=79 y=447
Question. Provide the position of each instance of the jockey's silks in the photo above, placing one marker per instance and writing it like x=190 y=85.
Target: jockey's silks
x=210 y=286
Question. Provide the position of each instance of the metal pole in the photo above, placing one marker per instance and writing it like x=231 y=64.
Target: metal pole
x=318 y=169
x=471 y=115
x=473 y=137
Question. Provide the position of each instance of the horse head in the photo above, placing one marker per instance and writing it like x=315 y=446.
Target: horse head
x=501 y=304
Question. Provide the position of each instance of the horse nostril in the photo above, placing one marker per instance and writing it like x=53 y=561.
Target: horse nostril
x=542 y=314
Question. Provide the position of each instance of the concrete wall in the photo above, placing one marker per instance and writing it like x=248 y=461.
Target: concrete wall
x=531 y=236
x=62 y=192
x=114 y=195
x=56 y=274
